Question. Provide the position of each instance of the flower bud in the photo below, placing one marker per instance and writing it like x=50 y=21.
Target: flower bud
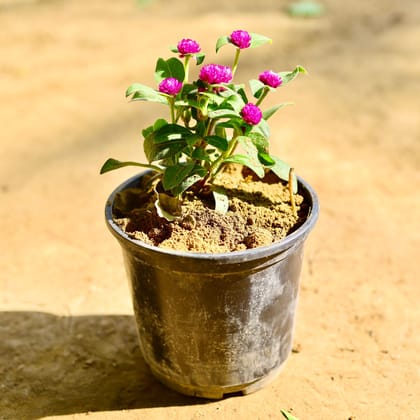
x=170 y=86
x=251 y=114
x=270 y=78
x=188 y=46
x=215 y=74
x=242 y=39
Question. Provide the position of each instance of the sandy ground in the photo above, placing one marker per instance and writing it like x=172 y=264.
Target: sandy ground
x=68 y=345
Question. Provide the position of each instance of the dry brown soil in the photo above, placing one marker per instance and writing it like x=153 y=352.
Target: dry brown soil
x=259 y=213
x=67 y=340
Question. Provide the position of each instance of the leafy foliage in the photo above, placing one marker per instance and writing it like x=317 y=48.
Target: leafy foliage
x=206 y=126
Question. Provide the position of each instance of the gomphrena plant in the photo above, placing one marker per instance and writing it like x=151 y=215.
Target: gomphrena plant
x=212 y=122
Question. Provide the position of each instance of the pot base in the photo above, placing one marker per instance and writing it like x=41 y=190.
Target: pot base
x=218 y=392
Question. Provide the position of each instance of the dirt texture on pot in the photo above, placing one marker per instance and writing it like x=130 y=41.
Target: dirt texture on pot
x=260 y=213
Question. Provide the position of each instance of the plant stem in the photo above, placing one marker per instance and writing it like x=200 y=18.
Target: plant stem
x=263 y=95
x=236 y=61
x=217 y=165
x=232 y=147
x=203 y=108
x=210 y=127
x=292 y=197
x=171 y=102
x=186 y=67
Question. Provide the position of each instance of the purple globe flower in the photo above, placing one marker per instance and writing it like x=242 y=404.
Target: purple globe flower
x=188 y=46
x=170 y=86
x=251 y=114
x=270 y=78
x=215 y=74
x=242 y=39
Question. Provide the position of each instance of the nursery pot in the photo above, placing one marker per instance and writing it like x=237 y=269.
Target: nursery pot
x=215 y=324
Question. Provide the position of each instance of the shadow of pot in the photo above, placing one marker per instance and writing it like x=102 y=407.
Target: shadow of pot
x=215 y=324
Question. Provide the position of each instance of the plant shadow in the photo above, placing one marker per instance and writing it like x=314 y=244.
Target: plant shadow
x=55 y=365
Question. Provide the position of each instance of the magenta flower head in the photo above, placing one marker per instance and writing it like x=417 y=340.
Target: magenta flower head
x=215 y=74
x=188 y=46
x=270 y=78
x=242 y=39
x=251 y=114
x=170 y=86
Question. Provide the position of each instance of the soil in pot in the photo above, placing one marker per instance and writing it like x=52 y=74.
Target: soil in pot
x=260 y=213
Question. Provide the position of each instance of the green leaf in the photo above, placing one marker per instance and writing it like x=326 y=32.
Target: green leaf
x=146 y=131
x=270 y=112
x=220 y=142
x=236 y=102
x=189 y=88
x=257 y=40
x=260 y=142
x=254 y=147
x=175 y=174
x=235 y=123
x=218 y=100
x=221 y=200
x=171 y=132
x=248 y=145
x=192 y=139
x=242 y=94
x=112 y=164
x=262 y=128
x=282 y=169
x=248 y=162
x=159 y=123
x=200 y=154
x=262 y=145
x=266 y=159
x=231 y=89
x=134 y=87
x=222 y=113
x=139 y=92
x=158 y=150
x=288 y=416
x=257 y=88
x=288 y=76
x=189 y=102
x=166 y=142
x=173 y=67
x=196 y=174
x=223 y=40
x=200 y=58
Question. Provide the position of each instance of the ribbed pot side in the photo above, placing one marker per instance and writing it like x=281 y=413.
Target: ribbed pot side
x=214 y=324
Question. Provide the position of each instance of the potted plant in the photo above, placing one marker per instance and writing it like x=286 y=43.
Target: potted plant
x=213 y=231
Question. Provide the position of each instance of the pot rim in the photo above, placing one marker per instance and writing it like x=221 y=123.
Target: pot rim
x=297 y=236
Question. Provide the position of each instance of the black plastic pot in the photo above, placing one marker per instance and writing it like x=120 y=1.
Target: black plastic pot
x=215 y=324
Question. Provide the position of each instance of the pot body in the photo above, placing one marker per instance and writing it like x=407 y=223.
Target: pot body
x=215 y=324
